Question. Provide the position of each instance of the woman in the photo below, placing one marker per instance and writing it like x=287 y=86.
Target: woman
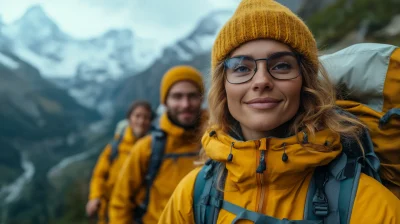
x=109 y=163
x=272 y=122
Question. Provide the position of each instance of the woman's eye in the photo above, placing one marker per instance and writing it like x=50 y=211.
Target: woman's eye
x=241 y=68
x=282 y=66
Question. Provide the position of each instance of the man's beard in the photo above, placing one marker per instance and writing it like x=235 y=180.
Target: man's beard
x=174 y=119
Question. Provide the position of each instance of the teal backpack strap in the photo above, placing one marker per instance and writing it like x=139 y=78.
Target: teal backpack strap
x=317 y=204
x=348 y=190
x=159 y=138
x=257 y=218
x=340 y=189
x=206 y=196
x=386 y=118
x=370 y=161
x=356 y=163
x=114 y=146
x=207 y=201
x=199 y=186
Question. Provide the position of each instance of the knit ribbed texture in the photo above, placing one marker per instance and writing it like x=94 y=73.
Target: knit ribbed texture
x=258 y=19
x=180 y=73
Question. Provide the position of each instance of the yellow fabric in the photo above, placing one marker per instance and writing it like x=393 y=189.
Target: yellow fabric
x=391 y=90
x=281 y=191
x=386 y=142
x=256 y=19
x=180 y=73
x=105 y=174
x=102 y=212
x=130 y=190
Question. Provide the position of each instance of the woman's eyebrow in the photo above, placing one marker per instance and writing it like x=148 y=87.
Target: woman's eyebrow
x=242 y=55
x=266 y=56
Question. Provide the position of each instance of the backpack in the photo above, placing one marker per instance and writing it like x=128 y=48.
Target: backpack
x=368 y=81
x=333 y=187
x=158 y=141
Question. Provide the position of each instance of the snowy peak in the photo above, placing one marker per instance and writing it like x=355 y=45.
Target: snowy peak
x=201 y=38
x=34 y=28
x=36 y=15
x=212 y=23
x=39 y=41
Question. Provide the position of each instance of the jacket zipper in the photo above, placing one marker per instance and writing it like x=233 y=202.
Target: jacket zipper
x=260 y=179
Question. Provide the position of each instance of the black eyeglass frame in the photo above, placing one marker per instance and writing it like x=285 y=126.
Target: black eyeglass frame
x=274 y=55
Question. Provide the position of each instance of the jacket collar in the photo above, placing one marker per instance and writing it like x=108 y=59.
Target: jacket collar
x=304 y=154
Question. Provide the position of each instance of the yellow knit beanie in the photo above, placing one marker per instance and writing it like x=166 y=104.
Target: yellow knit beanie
x=180 y=73
x=257 y=19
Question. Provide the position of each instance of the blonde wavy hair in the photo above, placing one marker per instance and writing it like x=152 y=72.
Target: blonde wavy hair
x=317 y=108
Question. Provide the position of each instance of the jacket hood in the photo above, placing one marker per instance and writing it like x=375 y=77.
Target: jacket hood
x=303 y=153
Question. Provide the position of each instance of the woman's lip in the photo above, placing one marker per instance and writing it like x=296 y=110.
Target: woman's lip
x=263 y=106
x=263 y=100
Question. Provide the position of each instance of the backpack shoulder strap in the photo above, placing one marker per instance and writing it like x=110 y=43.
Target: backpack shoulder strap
x=368 y=163
x=368 y=158
x=158 y=141
x=332 y=191
x=348 y=190
x=207 y=198
x=208 y=201
x=115 y=144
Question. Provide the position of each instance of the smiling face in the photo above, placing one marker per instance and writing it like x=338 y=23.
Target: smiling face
x=184 y=104
x=139 y=121
x=263 y=104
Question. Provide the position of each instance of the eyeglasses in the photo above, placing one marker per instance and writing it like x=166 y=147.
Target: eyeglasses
x=280 y=65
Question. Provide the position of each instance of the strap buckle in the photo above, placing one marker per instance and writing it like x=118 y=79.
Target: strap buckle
x=320 y=203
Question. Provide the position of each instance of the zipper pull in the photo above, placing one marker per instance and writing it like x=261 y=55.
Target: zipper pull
x=230 y=156
x=262 y=166
x=285 y=157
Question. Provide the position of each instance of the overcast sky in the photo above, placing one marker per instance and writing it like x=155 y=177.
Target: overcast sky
x=169 y=19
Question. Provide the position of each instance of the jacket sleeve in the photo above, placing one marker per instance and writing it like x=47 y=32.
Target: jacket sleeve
x=130 y=179
x=100 y=174
x=374 y=203
x=180 y=206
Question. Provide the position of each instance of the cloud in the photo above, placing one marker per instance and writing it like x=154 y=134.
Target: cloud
x=166 y=19
x=155 y=19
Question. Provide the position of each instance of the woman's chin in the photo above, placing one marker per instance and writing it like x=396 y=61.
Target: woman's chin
x=139 y=133
x=263 y=126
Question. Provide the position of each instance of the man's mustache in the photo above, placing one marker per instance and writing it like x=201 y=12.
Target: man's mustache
x=187 y=111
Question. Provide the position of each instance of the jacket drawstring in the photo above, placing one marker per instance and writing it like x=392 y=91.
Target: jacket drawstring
x=262 y=166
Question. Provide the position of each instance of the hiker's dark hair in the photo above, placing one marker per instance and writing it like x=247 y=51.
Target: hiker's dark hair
x=139 y=103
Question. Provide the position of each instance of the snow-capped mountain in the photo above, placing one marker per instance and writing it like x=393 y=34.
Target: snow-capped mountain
x=194 y=49
x=201 y=39
x=86 y=68
x=38 y=40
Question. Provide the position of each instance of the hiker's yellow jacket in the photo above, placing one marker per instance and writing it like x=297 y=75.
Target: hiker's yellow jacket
x=106 y=172
x=130 y=190
x=280 y=191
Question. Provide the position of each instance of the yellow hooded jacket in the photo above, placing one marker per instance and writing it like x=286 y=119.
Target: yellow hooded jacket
x=105 y=173
x=130 y=190
x=280 y=191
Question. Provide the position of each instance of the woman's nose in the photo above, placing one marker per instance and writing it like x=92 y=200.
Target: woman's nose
x=262 y=78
